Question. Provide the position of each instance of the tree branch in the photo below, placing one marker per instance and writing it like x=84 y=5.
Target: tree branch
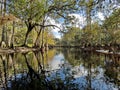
x=58 y=8
x=61 y=15
x=48 y=26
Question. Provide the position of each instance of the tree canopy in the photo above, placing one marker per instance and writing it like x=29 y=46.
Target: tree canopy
x=34 y=22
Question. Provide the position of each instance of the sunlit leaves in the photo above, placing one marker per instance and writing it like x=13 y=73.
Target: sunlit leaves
x=70 y=37
x=27 y=9
x=32 y=12
x=49 y=38
x=111 y=25
x=7 y=18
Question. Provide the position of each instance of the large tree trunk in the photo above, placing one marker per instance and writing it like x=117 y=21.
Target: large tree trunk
x=36 y=44
x=29 y=29
x=3 y=40
x=12 y=37
x=88 y=18
x=37 y=41
x=1 y=8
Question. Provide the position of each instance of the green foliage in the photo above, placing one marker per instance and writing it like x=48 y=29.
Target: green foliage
x=70 y=36
x=32 y=13
x=112 y=22
x=112 y=29
x=95 y=34
x=19 y=35
x=75 y=36
x=92 y=36
x=28 y=9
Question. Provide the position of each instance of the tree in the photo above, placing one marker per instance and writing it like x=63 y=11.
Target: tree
x=3 y=41
x=111 y=27
x=29 y=11
x=70 y=37
x=33 y=12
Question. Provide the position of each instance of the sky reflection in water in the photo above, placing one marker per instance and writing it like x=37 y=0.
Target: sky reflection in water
x=82 y=76
x=74 y=68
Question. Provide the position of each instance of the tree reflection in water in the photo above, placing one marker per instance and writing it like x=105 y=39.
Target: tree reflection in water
x=62 y=69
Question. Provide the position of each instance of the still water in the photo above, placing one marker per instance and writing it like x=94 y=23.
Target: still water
x=59 y=69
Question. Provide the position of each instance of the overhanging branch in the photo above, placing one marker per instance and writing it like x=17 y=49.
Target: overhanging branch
x=48 y=26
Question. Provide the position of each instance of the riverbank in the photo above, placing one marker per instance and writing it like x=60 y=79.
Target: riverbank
x=18 y=49
x=103 y=50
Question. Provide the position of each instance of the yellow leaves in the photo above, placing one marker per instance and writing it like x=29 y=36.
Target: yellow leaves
x=7 y=18
x=50 y=39
x=116 y=34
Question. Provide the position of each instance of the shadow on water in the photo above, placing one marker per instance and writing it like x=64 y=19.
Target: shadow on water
x=59 y=69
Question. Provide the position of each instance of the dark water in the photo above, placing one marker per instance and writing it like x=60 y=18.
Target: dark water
x=59 y=69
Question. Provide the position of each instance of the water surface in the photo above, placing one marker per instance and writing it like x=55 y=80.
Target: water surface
x=65 y=69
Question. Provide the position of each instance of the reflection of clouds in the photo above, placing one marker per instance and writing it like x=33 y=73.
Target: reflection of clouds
x=80 y=74
x=57 y=61
x=97 y=83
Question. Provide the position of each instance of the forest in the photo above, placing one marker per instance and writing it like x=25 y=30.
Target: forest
x=59 y=44
x=28 y=23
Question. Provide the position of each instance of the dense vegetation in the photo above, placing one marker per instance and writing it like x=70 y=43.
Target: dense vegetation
x=27 y=22
x=86 y=24
x=96 y=31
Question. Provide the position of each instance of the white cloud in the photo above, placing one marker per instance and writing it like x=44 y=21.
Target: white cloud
x=100 y=16
x=55 y=30
x=79 y=20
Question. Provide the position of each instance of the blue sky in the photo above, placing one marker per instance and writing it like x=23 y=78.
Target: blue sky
x=79 y=22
